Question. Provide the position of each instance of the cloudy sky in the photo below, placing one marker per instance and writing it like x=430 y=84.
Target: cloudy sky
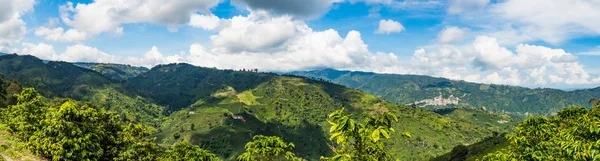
x=532 y=43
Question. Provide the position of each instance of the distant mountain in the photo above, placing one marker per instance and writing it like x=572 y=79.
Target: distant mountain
x=1 y=53
x=434 y=93
x=117 y=72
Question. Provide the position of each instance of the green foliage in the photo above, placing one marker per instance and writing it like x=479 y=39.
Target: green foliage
x=361 y=141
x=71 y=130
x=573 y=134
x=7 y=91
x=268 y=148
x=77 y=131
x=13 y=147
x=185 y=151
x=139 y=144
x=475 y=151
x=24 y=117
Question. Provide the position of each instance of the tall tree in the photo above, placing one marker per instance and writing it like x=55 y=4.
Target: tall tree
x=24 y=117
x=78 y=131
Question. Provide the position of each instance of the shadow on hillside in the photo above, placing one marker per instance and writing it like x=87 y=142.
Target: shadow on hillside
x=228 y=141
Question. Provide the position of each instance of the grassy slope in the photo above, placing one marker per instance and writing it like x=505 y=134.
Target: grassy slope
x=13 y=147
x=406 y=89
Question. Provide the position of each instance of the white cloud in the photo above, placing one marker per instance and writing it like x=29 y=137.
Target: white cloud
x=58 y=34
x=40 y=50
x=12 y=27
x=466 y=6
x=486 y=61
x=389 y=26
x=100 y=16
x=207 y=22
x=452 y=34
x=549 y=20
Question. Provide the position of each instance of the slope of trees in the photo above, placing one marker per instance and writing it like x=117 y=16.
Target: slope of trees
x=65 y=129
x=573 y=134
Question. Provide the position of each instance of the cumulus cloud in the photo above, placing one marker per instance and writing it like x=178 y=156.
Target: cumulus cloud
x=40 y=50
x=89 y=20
x=485 y=60
x=452 y=34
x=389 y=26
x=207 y=22
x=12 y=27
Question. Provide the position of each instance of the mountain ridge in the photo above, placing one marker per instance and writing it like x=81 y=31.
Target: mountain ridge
x=408 y=89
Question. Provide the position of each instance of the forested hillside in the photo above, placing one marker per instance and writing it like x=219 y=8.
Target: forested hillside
x=59 y=79
x=195 y=104
x=117 y=72
x=295 y=108
x=62 y=79
x=434 y=93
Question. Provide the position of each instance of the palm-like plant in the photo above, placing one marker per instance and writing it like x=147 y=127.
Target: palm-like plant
x=361 y=141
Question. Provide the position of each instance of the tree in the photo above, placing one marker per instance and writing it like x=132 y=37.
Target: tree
x=573 y=134
x=138 y=144
x=361 y=141
x=268 y=148
x=77 y=131
x=185 y=151
x=24 y=117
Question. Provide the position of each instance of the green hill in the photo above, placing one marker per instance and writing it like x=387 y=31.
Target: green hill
x=202 y=101
x=62 y=79
x=180 y=85
x=117 y=72
x=196 y=104
x=427 y=92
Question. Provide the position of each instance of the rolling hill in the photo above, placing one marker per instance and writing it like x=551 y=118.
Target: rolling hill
x=196 y=104
x=62 y=79
x=202 y=102
x=434 y=93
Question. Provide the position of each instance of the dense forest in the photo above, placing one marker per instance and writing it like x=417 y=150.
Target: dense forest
x=87 y=111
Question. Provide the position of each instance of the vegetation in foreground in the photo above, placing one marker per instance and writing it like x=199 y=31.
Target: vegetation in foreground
x=573 y=134
x=64 y=129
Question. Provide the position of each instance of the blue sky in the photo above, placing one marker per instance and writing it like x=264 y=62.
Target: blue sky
x=526 y=43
